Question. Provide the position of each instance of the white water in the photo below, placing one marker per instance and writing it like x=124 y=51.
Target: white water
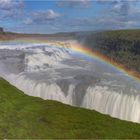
x=59 y=74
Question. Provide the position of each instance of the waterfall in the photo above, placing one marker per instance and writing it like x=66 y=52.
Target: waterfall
x=99 y=98
x=55 y=74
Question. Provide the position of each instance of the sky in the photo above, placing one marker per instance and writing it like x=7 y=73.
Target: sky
x=44 y=16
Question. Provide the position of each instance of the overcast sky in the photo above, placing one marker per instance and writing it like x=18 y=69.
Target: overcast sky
x=72 y=15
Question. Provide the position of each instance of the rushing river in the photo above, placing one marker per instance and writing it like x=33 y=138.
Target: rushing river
x=60 y=74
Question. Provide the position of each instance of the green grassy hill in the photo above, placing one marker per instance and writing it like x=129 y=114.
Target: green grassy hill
x=122 y=46
x=22 y=116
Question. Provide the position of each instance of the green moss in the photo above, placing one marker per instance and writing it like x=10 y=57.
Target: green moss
x=22 y=116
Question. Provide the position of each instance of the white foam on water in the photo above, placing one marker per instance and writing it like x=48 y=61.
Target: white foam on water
x=52 y=73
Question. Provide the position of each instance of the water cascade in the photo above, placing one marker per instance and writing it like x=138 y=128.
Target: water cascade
x=59 y=74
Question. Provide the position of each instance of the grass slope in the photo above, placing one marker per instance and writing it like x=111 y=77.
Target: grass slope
x=22 y=116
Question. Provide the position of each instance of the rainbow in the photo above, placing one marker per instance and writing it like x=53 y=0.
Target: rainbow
x=106 y=60
x=89 y=53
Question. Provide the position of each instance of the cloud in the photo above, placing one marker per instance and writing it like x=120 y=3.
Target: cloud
x=10 y=4
x=10 y=8
x=42 y=17
x=105 y=1
x=27 y=21
x=109 y=14
x=46 y=15
x=121 y=7
x=116 y=14
x=119 y=14
x=74 y=3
